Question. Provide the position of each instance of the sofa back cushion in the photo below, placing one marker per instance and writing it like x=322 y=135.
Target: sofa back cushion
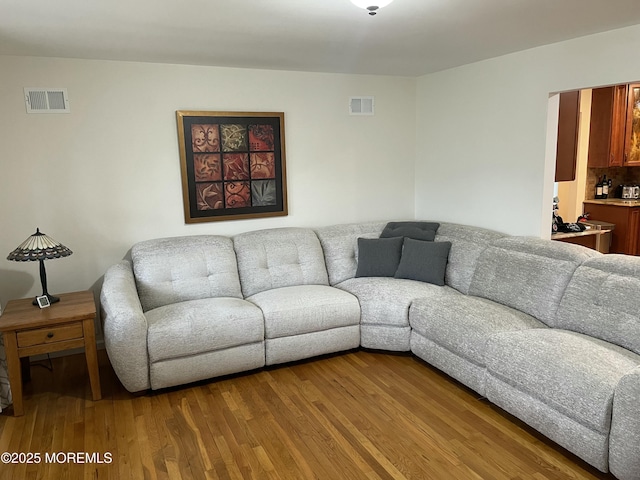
x=171 y=270
x=281 y=257
x=603 y=300
x=340 y=246
x=528 y=274
x=467 y=243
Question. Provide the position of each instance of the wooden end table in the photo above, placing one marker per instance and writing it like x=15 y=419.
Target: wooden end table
x=29 y=330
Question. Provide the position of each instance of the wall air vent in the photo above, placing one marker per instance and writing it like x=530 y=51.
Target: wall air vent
x=46 y=100
x=361 y=105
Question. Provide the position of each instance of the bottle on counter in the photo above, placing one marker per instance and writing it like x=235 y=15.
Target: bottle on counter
x=599 y=189
x=605 y=187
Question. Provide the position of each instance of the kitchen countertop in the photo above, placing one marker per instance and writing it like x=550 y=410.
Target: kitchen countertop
x=597 y=236
x=618 y=202
x=585 y=233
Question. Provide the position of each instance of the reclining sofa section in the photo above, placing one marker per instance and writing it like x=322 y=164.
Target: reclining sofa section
x=548 y=331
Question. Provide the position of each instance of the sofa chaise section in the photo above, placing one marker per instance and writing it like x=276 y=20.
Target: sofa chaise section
x=283 y=272
x=579 y=383
x=517 y=284
x=561 y=383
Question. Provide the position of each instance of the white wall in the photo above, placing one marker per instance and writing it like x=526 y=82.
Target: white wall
x=482 y=130
x=108 y=174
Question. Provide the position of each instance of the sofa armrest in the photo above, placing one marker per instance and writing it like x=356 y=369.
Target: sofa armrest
x=125 y=327
x=624 y=440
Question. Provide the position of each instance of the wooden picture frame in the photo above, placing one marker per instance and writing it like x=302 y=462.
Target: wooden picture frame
x=232 y=165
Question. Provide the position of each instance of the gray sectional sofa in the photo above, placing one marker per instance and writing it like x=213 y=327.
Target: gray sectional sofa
x=548 y=331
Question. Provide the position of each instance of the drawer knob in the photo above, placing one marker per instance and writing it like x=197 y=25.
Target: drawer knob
x=50 y=335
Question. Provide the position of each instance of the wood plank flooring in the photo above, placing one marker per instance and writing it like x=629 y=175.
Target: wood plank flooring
x=359 y=415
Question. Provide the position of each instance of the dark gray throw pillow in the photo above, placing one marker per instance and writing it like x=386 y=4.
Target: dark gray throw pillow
x=416 y=230
x=424 y=261
x=378 y=257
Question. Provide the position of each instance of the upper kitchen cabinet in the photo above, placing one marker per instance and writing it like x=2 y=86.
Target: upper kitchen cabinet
x=632 y=126
x=607 y=129
x=567 y=146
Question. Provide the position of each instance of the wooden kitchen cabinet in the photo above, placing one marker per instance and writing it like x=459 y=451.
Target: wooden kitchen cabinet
x=607 y=128
x=632 y=127
x=625 y=238
x=567 y=146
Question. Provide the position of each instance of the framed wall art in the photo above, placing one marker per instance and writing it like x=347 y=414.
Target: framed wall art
x=233 y=165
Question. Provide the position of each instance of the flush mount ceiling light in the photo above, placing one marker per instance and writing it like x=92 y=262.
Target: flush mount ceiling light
x=371 y=5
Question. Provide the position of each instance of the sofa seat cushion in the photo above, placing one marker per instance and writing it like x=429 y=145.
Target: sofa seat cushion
x=386 y=301
x=463 y=325
x=197 y=326
x=574 y=374
x=305 y=309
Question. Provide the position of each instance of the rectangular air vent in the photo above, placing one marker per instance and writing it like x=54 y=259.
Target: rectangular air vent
x=360 y=105
x=46 y=100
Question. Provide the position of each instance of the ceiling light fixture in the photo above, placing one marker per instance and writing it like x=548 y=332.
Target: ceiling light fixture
x=371 y=5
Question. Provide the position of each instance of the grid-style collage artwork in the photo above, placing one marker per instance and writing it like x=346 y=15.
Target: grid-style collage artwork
x=234 y=165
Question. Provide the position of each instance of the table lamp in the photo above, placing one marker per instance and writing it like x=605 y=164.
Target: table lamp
x=40 y=247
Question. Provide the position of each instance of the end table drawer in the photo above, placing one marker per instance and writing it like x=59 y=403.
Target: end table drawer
x=40 y=336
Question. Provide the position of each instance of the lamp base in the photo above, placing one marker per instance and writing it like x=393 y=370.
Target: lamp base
x=51 y=298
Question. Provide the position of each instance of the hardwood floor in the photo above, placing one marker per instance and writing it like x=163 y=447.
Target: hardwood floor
x=359 y=415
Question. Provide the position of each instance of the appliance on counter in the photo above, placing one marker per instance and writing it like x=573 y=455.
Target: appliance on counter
x=628 y=192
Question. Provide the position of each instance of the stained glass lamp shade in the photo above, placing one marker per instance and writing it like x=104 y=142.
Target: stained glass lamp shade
x=40 y=247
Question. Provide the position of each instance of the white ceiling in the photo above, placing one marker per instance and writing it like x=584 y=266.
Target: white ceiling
x=408 y=37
